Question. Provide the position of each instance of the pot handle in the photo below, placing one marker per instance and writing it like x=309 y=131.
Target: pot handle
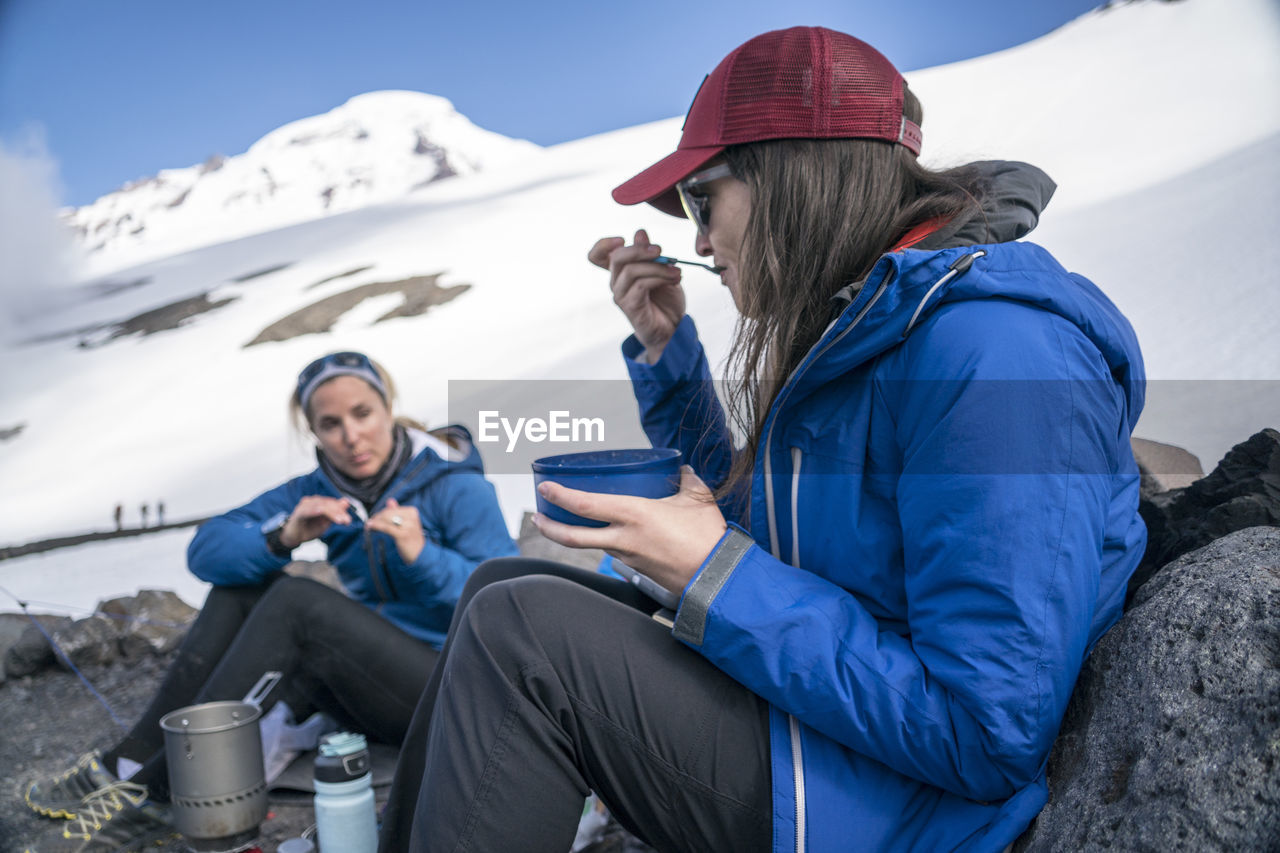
x=262 y=688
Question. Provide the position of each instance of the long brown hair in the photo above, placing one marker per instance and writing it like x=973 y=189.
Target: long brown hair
x=822 y=213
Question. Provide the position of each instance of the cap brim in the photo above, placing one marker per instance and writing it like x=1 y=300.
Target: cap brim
x=657 y=184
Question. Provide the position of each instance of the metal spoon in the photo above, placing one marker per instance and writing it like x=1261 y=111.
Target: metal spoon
x=663 y=259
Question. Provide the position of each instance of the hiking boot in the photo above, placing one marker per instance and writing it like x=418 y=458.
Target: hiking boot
x=118 y=817
x=60 y=796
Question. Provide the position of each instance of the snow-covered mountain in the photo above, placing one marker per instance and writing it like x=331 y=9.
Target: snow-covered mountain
x=144 y=385
x=375 y=147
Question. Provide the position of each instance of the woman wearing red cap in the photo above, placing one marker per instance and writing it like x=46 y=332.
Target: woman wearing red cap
x=888 y=587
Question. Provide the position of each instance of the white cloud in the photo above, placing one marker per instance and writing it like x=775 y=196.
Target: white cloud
x=37 y=252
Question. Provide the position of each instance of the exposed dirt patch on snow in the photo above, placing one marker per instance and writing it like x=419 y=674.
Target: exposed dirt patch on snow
x=420 y=292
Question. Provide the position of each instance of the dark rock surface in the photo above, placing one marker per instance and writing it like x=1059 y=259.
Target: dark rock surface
x=151 y=622
x=1172 y=737
x=30 y=651
x=420 y=293
x=1243 y=491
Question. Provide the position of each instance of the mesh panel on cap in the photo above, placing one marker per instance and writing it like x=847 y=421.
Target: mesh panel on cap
x=772 y=92
x=866 y=94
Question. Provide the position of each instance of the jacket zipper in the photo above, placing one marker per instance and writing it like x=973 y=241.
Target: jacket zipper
x=358 y=509
x=797 y=765
x=373 y=565
x=379 y=560
x=958 y=267
x=797 y=755
x=795 y=507
x=797 y=759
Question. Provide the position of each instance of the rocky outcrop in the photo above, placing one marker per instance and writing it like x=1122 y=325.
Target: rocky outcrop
x=1164 y=466
x=418 y=294
x=1172 y=737
x=153 y=622
x=25 y=648
x=1243 y=491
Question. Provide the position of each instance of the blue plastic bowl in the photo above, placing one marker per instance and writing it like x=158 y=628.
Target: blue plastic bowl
x=649 y=472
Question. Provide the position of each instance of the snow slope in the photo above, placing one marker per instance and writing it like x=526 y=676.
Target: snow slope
x=1172 y=214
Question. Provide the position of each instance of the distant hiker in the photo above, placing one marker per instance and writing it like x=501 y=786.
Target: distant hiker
x=145 y=509
x=119 y=516
x=406 y=515
x=160 y=514
x=895 y=544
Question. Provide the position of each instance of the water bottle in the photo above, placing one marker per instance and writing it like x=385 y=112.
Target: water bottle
x=345 y=818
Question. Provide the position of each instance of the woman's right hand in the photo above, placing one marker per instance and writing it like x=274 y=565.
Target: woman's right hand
x=312 y=517
x=649 y=294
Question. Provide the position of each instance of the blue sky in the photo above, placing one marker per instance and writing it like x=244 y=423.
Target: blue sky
x=119 y=89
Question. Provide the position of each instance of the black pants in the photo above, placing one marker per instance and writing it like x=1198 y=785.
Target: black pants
x=556 y=682
x=336 y=656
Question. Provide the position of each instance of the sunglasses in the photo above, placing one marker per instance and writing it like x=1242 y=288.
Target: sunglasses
x=697 y=205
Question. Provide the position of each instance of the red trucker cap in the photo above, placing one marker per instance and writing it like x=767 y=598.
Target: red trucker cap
x=799 y=83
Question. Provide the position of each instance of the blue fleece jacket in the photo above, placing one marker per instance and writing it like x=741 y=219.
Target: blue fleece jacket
x=942 y=521
x=460 y=518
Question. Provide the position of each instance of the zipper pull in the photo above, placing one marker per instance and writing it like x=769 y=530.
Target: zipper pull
x=957 y=268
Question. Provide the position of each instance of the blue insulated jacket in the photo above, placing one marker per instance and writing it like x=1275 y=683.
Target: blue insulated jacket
x=460 y=517
x=942 y=521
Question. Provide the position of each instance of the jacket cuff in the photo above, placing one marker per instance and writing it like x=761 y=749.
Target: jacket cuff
x=679 y=360
x=691 y=619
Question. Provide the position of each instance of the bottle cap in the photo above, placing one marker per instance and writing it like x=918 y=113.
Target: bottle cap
x=344 y=756
x=342 y=743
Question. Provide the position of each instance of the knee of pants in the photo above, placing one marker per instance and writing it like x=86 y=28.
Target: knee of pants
x=513 y=618
x=293 y=596
x=498 y=569
x=489 y=572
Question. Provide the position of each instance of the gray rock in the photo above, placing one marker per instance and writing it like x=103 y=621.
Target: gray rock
x=12 y=626
x=94 y=640
x=32 y=652
x=1164 y=466
x=1243 y=491
x=1172 y=737
x=152 y=622
x=317 y=570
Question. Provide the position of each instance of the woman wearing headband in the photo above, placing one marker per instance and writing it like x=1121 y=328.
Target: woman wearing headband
x=887 y=584
x=406 y=515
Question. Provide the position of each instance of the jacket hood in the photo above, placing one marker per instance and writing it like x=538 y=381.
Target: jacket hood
x=1014 y=195
x=437 y=452
x=907 y=286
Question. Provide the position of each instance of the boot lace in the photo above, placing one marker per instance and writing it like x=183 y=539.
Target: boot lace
x=102 y=805
x=80 y=765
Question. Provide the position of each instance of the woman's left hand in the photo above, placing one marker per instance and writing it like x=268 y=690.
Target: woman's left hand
x=666 y=539
x=402 y=524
